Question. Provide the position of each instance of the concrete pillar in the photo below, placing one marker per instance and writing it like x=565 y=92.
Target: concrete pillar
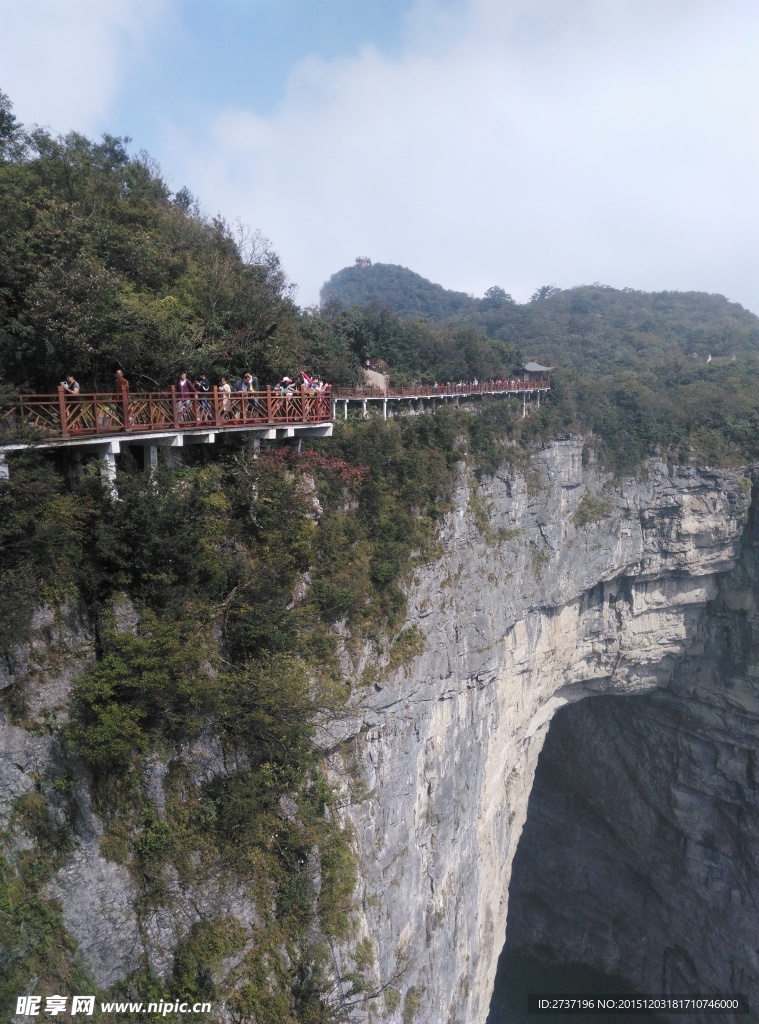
x=150 y=457
x=4 y=471
x=538 y=399
x=107 y=458
x=384 y=408
x=455 y=401
x=524 y=404
x=363 y=408
x=74 y=467
x=345 y=409
x=253 y=447
x=334 y=408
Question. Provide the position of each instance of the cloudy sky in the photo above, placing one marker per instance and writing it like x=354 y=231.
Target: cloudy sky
x=478 y=142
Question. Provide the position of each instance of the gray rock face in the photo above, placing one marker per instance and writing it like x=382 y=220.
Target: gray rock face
x=518 y=624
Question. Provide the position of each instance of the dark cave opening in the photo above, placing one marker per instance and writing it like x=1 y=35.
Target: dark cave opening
x=636 y=869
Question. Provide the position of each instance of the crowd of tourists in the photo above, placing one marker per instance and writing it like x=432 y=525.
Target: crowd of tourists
x=199 y=385
x=238 y=400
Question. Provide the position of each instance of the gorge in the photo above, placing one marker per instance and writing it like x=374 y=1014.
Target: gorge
x=624 y=608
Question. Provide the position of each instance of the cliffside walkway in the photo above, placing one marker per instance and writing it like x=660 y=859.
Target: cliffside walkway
x=530 y=388
x=103 y=422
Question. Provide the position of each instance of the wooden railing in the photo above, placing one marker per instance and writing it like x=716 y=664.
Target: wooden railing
x=68 y=417
x=446 y=390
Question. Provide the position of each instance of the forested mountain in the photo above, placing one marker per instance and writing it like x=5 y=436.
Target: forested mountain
x=400 y=289
x=633 y=367
x=588 y=327
x=595 y=328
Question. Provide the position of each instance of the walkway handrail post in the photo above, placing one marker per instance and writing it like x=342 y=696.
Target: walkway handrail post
x=304 y=403
x=124 y=395
x=62 y=411
x=174 y=406
x=269 y=417
x=215 y=406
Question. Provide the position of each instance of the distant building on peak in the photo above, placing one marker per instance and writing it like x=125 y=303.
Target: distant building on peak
x=363 y=261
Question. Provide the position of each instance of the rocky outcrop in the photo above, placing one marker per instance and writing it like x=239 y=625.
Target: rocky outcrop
x=524 y=614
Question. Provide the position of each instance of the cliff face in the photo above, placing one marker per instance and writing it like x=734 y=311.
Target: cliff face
x=523 y=615
x=659 y=886
x=553 y=586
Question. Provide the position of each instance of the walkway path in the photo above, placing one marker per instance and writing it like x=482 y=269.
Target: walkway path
x=103 y=422
x=526 y=387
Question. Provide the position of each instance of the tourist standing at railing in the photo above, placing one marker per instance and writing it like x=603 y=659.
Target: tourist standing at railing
x=70 y=385
x=247 y=384
x=120 y=383
x=185 y=395
x=254 y=388
x=202 y=386
x=225 y=390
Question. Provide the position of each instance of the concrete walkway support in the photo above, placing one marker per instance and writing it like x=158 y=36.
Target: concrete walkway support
x=150 y=457
x=107 y=454
x=107 y=448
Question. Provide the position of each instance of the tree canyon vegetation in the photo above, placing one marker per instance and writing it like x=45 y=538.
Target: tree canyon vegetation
x=269 y=725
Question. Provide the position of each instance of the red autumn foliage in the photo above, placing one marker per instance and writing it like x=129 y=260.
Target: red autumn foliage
x=312 y=462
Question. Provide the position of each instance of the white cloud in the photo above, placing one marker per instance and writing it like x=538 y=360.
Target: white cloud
x=513 y=143
x=63 y=63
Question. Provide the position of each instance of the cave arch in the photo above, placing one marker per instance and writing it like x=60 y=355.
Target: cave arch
x=637 y=864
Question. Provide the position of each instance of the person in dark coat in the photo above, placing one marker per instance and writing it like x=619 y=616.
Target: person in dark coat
x=186 y=392
x=202 y=386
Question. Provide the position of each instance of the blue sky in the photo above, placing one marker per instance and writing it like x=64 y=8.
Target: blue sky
x=210 y=54
x=479 y=142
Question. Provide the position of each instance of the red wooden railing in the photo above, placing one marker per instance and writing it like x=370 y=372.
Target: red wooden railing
x=67 y=417
x=447 y=390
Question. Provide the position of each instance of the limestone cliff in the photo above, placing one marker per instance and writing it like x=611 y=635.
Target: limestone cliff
x=524 y=614
x=554 y=584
